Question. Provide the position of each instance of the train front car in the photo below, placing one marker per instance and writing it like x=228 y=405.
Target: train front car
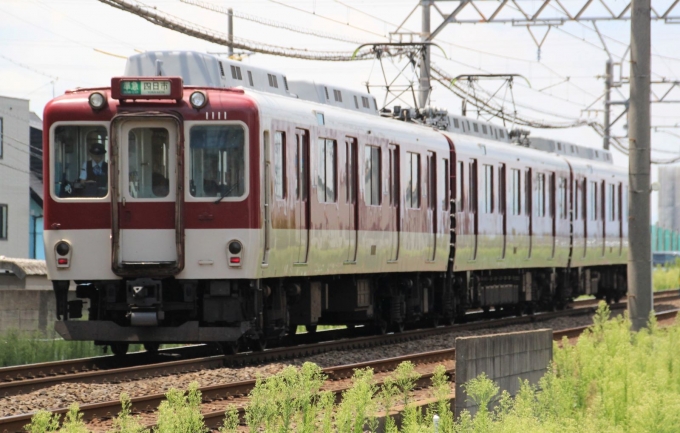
x=153 y=209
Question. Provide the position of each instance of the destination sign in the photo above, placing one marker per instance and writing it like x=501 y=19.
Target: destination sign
x=144 y=87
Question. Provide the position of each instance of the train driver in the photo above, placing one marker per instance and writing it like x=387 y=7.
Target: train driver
x=93 y=179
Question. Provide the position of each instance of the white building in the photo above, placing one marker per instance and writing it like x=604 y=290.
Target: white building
x=14 y=177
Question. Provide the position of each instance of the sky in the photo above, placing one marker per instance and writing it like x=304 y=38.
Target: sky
x=49 y=46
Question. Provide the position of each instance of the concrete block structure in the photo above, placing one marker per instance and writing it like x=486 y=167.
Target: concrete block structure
x=27 y=302
x=505 y=358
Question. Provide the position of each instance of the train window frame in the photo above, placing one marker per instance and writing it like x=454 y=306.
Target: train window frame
x=562 y=197
x=413 y=191
x=528 y=199
x=611 y=202
x=431 y=176
x=393 y=173
x=188 y=197
x=515 y=191
x=460 y=186
x=540 y=195
x=280 y=166
x=250 y=79
x=591 y=200
x=487 y=189
x=133 y=166
x=372 y=176
x=52 y=153
x=444 y=183
x=351 y=149
x=356 y=102
x=326 y=159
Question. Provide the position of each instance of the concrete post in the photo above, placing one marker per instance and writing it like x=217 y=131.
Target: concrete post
x=230 y=31
x=424 y=85
x=607 y=100
x=639 y=168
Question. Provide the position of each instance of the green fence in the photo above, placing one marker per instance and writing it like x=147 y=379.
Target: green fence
x=665 y=240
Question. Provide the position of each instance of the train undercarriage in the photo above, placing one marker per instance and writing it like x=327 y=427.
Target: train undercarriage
x=245 y=314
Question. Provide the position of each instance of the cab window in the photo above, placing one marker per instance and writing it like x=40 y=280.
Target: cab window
x=80 y=162
x=217 y=162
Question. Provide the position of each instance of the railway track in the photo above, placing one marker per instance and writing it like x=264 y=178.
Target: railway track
x=142 y=365
x=216 y=398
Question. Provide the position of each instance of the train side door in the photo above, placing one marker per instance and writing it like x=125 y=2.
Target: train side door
x=147 y=193
x=302 y=194
x=473 y=205
x=394 y=202
x=431 y=206
x=351 y=190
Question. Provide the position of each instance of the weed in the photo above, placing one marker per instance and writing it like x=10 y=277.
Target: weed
x=357 y=403
x=231 y=420
x=406 y=377
x=43 y=422
x=181 y=412
x=125 y=422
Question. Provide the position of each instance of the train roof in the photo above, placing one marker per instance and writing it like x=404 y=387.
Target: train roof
x=206 y=70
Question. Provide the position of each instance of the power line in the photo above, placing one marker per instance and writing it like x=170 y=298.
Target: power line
x=326 y=18
x=177 y=24
x=271 y=23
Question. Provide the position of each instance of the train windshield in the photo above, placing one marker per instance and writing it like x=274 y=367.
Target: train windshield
x=217 y=161
x=80 y=161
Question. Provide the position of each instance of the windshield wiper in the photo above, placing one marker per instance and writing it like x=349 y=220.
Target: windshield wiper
x=226 y=193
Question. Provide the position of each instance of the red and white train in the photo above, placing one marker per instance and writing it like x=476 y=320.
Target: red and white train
x=205 y=200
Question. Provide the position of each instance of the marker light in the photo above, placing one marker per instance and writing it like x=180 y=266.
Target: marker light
x=235 y=247
x=97 y=101
x=62 y=261
x=235 y=260
x=198 y=100
x=63 y=248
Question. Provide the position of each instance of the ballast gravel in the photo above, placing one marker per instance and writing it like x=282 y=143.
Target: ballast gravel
x=62 y=395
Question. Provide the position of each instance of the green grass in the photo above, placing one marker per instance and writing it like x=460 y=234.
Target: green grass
x=666 y=277
x=18 y=348
x=612 y=380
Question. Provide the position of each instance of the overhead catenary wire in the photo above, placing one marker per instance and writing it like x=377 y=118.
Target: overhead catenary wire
x=191 y=29
x=271 y=23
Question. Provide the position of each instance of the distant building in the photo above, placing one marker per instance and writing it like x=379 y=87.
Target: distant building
x=20 y=180
x=669 y=198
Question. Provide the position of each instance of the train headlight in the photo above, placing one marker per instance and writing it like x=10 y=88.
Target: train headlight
x=198 y=99
x=97 y=101
x=62 y=252
x=234 y=252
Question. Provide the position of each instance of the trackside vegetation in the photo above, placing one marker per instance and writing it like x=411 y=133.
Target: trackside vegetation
x=666 y=277
x=611 y=380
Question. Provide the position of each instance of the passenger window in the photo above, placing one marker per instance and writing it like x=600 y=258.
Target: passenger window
x=540 y=195
x=487 y=189
x=280 y=164
x=326 y=171
x=394 y=175
x=472 y=188
x=80 y=162
x=527 y=192
x=460 y=187
x=444 y=183
x=148 y=169
x=350 y=167
x=431 y=181
x=372 y=175
x=413 y=181
x=515 y=192
x=562 y=198
x=592 y=201
x=217 y=161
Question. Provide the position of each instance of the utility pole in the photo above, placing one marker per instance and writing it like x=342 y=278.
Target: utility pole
x=608 y=78
x=230 y=31
x=639 y=167
x=424 y=87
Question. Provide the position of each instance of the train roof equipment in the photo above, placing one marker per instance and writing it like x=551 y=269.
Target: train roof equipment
x=206 y=70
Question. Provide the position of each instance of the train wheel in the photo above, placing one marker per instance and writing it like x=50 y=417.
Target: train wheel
x=310 y=328
x=380 y=327
x=258 y=344
x=152 y=347
x=119 y=349
x=229 y=347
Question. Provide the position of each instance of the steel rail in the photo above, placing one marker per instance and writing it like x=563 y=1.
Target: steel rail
x=241 y=389
x=141 y=366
